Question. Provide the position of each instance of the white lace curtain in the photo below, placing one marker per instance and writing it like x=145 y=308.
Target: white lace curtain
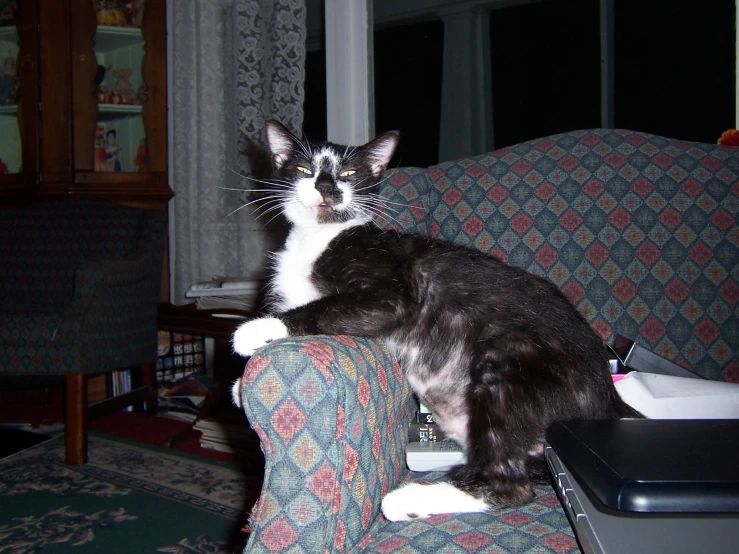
x=234 y=63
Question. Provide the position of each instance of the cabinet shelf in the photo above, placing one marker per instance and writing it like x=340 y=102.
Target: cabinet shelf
x=8 y=33
x=111 y=112
x=12 y=109
x=109 y=38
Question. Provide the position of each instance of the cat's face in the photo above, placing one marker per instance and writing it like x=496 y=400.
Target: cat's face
x=328 y=183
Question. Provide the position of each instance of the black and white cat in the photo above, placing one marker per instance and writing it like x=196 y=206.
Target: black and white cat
x=496 y=353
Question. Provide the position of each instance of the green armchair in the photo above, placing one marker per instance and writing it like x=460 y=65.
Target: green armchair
x=80 y=282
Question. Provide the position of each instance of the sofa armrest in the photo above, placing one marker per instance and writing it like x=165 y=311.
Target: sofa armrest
x=332 y=414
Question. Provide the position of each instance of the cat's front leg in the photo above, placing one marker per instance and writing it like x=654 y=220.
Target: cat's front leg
x=256 y=333
x=251 y=335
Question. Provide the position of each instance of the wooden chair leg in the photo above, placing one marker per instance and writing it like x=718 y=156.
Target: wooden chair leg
x=148 y=377
x=75 y=424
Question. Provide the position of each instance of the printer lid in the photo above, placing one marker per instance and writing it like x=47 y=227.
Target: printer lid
x=653 y=466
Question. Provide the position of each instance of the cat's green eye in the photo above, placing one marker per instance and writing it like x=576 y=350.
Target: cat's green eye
x=348 y=172
x=304 y=170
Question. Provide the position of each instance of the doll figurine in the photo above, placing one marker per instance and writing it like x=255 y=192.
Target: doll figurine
x=103 y=96
x=8 y=82
x=112 y=152
x=100 y=156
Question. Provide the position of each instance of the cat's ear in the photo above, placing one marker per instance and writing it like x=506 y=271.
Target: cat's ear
x=380 y=150
x=281 y=142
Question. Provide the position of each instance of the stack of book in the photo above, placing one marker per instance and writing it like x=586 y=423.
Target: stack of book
x=119 y=382
x=424 y=428
x=428 y=449
x=234 y=293
x=227 y=432
x=184 y=398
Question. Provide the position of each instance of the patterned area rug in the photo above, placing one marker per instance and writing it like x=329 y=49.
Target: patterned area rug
x=129 y=497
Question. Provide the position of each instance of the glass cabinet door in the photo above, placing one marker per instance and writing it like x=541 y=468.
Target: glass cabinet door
x=83 y=98
x=120 y=139
x=119 y=93
x=11 y=160
x=10 y=149
x=18 y=92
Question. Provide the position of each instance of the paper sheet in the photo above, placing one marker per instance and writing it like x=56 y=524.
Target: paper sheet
x=668 y=397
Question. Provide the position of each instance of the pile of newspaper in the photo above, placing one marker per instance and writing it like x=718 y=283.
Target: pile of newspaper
x=234 y=293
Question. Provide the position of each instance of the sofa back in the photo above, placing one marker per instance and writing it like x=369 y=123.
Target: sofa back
x=42 y=244
x=640 y=232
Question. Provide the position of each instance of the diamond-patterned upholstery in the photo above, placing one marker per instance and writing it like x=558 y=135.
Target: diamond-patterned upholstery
x=639 y=231
x=80 y=282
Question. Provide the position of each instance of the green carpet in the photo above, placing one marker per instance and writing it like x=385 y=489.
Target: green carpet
x=129 y=497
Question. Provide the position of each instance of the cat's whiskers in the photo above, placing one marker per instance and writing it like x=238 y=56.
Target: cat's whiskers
x=388 y=202
x=372 y=208
x=349 y=154
x=372 y=185
x=303 y=151
x=268 y=181
x=275 y=184
x=379 y=216
x=277 y=191
x=276 y=210
x=306 y=144
x=378 y=184
x=276 y=200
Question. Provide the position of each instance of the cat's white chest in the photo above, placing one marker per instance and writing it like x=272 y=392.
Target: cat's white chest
x=292 y=281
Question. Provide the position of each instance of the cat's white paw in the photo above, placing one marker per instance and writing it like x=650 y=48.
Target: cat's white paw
x=417 y=501
x=256 y=333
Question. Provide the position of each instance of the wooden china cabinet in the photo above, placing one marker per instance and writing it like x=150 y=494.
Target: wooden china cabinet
x=83 y=103
x=83 y=100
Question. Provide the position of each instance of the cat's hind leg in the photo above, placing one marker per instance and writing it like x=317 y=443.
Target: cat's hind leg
x=504 y=433
x=479 y=486
x=501 y=440
x=419 y=501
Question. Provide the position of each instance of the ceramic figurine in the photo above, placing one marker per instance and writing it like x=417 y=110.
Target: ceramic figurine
x=7 y=12
x=139 y=12
x=112 y=151
x=8 y=68
x=130 y=10
x=142 y=157
x=8 y=82
x=103 y=96
x=100 y=156
x=123 y=85
x=108 y=13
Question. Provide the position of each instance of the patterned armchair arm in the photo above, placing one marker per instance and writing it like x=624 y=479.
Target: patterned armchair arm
x=332 y=415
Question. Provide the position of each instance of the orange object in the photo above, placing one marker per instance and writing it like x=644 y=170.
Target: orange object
x=729 y=138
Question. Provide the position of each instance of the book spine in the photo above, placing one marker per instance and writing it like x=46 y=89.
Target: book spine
x=425 y=432
x=424 y=417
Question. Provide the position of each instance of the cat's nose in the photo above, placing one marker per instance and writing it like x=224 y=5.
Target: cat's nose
x=326 y=186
